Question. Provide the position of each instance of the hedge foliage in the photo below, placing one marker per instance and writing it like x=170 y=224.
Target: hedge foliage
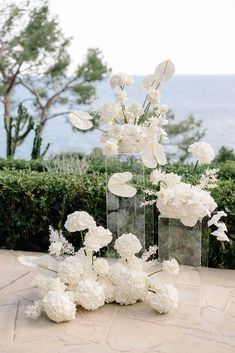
x=32 y=200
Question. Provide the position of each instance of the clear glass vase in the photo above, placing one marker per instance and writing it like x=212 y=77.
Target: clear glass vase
x=188 y=245
x=124 y=215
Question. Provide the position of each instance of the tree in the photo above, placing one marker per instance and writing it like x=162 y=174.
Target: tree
x=182 y=134
x=34 y=54
x=225 y=154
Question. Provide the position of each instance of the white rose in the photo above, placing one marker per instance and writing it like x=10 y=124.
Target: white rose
x=171 y=266
x=121 y=96
x=154 y=95
x=121 y=80
x=110 y=147
x=101 y=266
x=79 y=220
x=202 y=151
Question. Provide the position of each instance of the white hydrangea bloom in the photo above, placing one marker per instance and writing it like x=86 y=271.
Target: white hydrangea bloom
x=46 y=284
x=108 y=288
x=97 y=238
x=58 y=307
x=89 y=294
x=171 y=266
x=70 y=270
x=130 y=286
x=101 y=266
x=79 y=220
x=202 y=152
x=33 y=311
x=164 y=299
x=127 y=245
x=120 y=80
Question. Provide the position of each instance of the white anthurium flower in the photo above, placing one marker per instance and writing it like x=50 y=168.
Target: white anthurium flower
x=118 y=186
x=81 y=120
x=45 y=261
x=164 y=71
x=153 y=154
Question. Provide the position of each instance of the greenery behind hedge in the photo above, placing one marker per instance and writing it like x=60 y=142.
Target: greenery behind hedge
x=30 y=201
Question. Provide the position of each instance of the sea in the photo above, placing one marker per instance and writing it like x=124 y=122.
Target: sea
x=209 y=98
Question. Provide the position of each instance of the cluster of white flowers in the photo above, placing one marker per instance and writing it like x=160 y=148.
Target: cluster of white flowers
x=133 y=127
x=58 y=244
x=202 y=152
x=209 y=179
x=81 y=279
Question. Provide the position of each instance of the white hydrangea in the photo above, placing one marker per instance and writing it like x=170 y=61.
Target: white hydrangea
x=120 y=80
x=171 y=266
x=108 y=288
x=58 y=307
x=127 y=245
x=89 y=294
x=202 y=152
x=33 y=311
x=97 y=238
x=164 y=299
x=130 y=286
x=46 y=284
x=70 y=270
x=79 y=220
x=185 y=202
x=101 y=266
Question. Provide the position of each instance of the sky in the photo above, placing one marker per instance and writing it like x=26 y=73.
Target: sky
x=136 y=35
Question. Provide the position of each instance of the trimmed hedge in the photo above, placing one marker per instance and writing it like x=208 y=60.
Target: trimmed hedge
x=30 y=201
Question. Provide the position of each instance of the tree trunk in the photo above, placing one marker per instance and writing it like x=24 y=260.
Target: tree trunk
x=8 y=124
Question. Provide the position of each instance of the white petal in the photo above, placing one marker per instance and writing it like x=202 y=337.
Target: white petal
x=164 y=71
x=152 y=154
x=117 y=185
x=147 y=82
x=81 y=120
x=34 y=261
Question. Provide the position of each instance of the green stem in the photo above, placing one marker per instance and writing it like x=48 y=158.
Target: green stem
x=47 y=268
x=155 y=273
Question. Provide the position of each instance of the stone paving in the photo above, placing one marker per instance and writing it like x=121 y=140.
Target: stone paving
x=203 y=323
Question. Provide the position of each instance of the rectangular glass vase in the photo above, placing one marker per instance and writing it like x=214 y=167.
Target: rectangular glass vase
x=125 y=215
x=188 y=245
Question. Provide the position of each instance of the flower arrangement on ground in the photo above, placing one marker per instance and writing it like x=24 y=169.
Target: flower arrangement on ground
x=82 y=279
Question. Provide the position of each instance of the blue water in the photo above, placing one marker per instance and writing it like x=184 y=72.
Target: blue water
x=210 y=98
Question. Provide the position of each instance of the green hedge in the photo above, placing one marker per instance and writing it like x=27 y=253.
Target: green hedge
x=30 y=201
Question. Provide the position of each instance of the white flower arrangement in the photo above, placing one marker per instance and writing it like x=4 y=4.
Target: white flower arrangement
x=81 y=279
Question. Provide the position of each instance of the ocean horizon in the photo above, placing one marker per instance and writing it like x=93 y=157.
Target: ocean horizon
x=210 y=98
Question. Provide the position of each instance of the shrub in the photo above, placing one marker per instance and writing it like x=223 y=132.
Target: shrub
x=30 y=201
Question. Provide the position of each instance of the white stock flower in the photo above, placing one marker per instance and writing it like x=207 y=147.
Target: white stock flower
x=121 y=95
x=55 y=249
x=202 y=151
x=81 y=120
x=153 y=154
x=154 y=95
x=70 y=270
x=109 y=112
x=97 y=238
x=127 y=245
x=171 y=266
x=101 y=267
x=89 y=294
x=120 y=80
x=164 y=299
x=110 y=147
x=33 y=311
x=79 y=220
x=118 y=186
x=58 y=306
x=136 y=109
